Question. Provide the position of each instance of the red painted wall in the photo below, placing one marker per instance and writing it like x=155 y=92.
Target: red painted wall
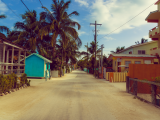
x=144 y=71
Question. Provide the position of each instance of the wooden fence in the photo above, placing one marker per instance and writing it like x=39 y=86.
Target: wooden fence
x=147 y=72
x=132 y=87
x=116 y=76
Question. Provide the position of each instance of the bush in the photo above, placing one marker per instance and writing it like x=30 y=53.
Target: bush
x=24 y=79
x=10 y=82
x=68 y=70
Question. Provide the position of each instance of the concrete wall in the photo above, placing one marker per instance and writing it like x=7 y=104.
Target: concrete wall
x=145 y=47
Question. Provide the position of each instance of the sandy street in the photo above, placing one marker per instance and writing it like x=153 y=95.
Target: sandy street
x=75 y=96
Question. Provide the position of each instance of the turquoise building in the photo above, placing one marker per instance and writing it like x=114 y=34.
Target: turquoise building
x=37 y=66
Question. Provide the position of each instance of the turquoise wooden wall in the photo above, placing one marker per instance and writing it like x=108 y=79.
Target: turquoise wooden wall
x=34 y=66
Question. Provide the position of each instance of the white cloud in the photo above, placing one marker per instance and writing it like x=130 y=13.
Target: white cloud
x=39 y=7
x=147 y=37
x=114 y=13
x=75 y=20
x=12 y=28
x=109 y=38
x=82 y=2
x=81 y=32
x=3 y=7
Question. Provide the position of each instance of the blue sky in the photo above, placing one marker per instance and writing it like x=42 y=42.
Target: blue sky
x=110 y=13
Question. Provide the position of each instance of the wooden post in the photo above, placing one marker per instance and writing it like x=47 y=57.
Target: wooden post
x=4 y=49
x=127 y=84
x=153 y=89
x=135 y=88
x=7 y=61
x=24 y=59
x=19 y=53
x=12 y=59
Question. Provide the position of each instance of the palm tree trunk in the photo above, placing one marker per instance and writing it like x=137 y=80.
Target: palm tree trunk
x=54 y=45
x=61 y=63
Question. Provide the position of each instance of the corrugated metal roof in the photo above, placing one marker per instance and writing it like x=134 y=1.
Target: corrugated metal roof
x=132 y=55
x=45 y=59
x=137 y=46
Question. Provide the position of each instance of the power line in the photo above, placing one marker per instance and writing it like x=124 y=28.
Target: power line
x=126 y=22
x=25 y=5
x=41 y=3
x=10 y=9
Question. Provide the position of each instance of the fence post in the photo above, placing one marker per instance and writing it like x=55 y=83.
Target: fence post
x=153 y=89
x=127 y=84
x=135 y=88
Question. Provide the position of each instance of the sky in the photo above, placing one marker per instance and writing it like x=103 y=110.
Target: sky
x=110 y=13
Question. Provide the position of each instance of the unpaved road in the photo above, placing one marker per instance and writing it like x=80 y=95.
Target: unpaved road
x=75 y=96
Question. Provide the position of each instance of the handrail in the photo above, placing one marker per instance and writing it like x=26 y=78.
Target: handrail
x=153 y=28
x=144 y=81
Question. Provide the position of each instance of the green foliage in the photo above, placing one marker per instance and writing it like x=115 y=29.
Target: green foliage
x=96 y=74
x=55 y=64
x=68 y=70
x=10 y=82
x=106 y=63
x=24 y=79
x=28 y=82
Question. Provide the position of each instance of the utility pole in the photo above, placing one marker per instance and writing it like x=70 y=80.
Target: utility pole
x=87 y=57
x=101 y=59
x=102 y=55
x=95 y=44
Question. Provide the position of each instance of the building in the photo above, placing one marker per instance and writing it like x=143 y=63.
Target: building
x=8 y=51
x=143 y=48
x=37 y=66
x=135 y=54
x=120 y=62
x=154 y=33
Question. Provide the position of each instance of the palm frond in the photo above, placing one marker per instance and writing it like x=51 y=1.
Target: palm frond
x=4 y=29
x=2 y=16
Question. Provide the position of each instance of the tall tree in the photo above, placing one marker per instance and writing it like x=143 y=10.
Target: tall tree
x=91 y=53
x=27 y=32
x=59 y=23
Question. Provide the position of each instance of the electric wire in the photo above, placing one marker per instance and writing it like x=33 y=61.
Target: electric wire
x=41 y=3
x=127 y=21
x=25 y=5
x=11 y=9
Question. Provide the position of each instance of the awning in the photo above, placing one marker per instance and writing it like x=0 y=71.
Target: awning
x=153 y=16
x=122 y=66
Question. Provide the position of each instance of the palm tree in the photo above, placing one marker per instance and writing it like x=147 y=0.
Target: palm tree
x=59 y=23
x=91 y=54
x=118 y=49
x=3 y=28
x=27 y=31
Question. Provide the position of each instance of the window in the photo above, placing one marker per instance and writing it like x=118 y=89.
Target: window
x=147 y=62
x=141 y=51
x=130 y=52
x=137 y=62
x=127 y=63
